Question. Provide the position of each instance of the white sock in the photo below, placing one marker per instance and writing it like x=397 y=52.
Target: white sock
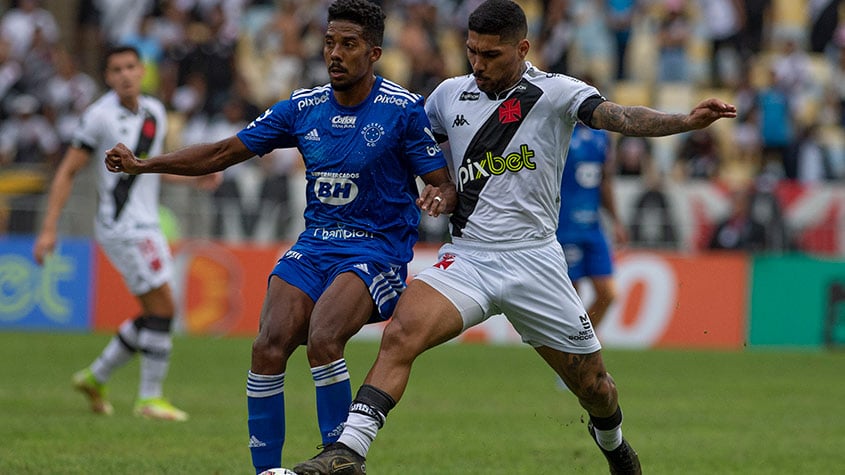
x=116 y=354
x=359 y=433
x=155 y=349
x=609 y=439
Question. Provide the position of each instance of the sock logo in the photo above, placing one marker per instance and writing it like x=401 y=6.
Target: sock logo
x=367 y=410
x=255 y=442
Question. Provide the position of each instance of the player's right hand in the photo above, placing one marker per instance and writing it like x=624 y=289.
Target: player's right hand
x=44 y=245
x=121 y=159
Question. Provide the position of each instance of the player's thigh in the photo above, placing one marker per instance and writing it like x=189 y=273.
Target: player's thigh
x=284 y=315
x=343 y=308
x=144 y=260
x=424 y=318
x=542 y=304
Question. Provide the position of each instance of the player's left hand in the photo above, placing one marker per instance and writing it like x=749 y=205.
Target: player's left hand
x=709 y=111
x=438 y=200
x=121 y=159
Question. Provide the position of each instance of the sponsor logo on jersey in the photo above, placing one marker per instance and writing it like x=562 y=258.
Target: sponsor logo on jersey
x=390 y=99
x=434 y=149
x=588 y=174
x=335 y=190
x=510 y=111
x=260 y=118
x=469 y=96
x=312 y=135
x=311 y=101
x=491 y=164
x=341 y=233
x=372 y=133
x=459 y=121
x=344 y=121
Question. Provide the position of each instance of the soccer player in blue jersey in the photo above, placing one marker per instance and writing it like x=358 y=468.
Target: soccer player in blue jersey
x=363 y=139
x=587 y=186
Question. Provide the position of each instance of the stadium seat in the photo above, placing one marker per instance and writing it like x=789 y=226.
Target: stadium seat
x=631 y=93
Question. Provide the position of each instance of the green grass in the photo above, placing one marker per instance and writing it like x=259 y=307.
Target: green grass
x=469 y=409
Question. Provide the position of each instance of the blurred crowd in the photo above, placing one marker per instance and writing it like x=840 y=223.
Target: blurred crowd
x=217 y=64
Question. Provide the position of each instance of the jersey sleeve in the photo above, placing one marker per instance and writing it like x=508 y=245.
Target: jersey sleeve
x=432 y=110
x=271 y=130
x=420 y=146
x=87 y=134
x=571 y=94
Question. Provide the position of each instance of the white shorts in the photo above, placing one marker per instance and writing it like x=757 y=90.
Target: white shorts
x=144 y=259
x=527 y=282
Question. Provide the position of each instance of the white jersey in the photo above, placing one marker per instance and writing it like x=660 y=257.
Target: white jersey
x=507 y=152
x=127 y=204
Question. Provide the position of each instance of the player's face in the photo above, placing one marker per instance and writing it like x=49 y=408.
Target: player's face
x=124 y=72
x=348 y=56
x=496 y=65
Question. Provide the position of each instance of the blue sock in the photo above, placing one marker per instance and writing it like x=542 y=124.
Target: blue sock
x=334 y=395
x=266 y=407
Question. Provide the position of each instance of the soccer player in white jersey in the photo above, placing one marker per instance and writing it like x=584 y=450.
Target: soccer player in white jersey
x=127 y=228
x=363 y=139
x=508 y=125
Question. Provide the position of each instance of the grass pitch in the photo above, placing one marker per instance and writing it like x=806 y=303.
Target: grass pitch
x=469 y=409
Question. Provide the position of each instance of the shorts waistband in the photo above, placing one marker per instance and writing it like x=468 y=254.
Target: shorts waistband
x=506 y=245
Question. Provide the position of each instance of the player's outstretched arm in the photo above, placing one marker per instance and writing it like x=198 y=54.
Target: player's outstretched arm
x=439 y=195
x=641 y=121
x=195 y=160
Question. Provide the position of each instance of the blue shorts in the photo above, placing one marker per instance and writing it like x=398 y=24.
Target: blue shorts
x=312 y=266
x=587 y=255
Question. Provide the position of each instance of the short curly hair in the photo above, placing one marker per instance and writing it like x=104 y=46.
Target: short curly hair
x=361 y=12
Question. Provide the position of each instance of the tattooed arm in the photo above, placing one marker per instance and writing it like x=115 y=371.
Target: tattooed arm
x=640 y=121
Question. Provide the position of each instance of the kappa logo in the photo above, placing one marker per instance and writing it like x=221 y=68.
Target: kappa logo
x=459 y=121
x=510 y=111
x=469 y=96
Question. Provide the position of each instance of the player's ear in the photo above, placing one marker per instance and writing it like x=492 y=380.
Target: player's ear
x=522 y=47
x=375 y=54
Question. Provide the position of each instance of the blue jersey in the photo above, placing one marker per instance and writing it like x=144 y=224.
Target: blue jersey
x=579 y=230
x=360 y=163
x=580 y=199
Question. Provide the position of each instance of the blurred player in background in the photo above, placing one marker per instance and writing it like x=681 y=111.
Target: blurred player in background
x=127 y=229
x=363 y=139
x=587 y=186
x=508 y=125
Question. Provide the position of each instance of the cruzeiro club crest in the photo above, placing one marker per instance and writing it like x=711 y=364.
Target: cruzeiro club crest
x=372 y=133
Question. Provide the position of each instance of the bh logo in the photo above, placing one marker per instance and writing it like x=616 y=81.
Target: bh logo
x=335 y=190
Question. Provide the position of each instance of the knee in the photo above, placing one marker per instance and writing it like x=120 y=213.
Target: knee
x=597 y=390
x=324 y=348
x=400 y=342
x=270 y=351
